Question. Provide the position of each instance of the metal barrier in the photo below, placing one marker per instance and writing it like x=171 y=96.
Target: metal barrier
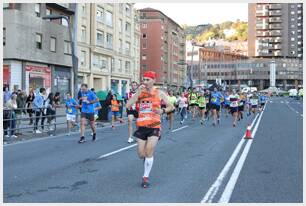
x=10 y=121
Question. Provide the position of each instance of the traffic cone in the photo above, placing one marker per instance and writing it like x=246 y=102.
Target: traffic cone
x=248 y=133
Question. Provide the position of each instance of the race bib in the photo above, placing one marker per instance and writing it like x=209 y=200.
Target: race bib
x=234 y=104
x=146 y=107
x=214 y=99
x=69 y=110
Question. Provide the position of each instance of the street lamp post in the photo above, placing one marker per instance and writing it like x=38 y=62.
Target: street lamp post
x=191 y=66
x=73 y=56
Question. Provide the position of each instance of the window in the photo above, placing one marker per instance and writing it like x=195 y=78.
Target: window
x=127 y=66
x=109 y=19
x=64 y=21
x=100 y=38
x=144 y=45
x=144 y=35
x=112 y=64
x=292 y=38
x=127 y=10
x=100 y=14
x=120 y=65
x=83 y=34
x=292 y=32
x=120 y=25
x=67 y=48
x=120 y=45
x=109 y=41
x=4 y=36
x=83 y=58
x=84 y=9
x=121 y=8
x=144 y=57
x=53 y=44
x=48 y=12
x=292 y=25
x=292 y=6
x=6 y=5
x=144 y=67
x=37 y=10
x=127 y=47
x=292 y=12
x=292 y=19
x=128 y=28
x=144 y=26
x=38 y=41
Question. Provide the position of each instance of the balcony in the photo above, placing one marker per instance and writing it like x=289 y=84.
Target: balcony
x=262 y=26
x=262 y=33
x=277 y=53
x=278 y=46
x=275 y=20
x=260 y=13
x=276 y=40
x=275 y=33
x=275 y=6
x=275 y=26
x=275 y=13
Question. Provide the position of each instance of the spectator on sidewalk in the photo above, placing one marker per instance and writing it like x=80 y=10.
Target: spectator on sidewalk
x=21 y=111
x=50 y=112
x=12 y=106
x=29 y=103
x=38 y=107
x=6 y=95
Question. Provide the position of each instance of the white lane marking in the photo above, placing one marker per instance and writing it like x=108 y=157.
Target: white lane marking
x=59 y=135
x=297 y=112
x=282 y=102
x=179 y=128
x=298 y=103
x=227 y=193
x=117 y=151
x=271 y=101
x=215 y=186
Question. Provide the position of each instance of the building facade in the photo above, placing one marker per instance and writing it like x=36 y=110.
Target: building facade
x=162 y=48
x=275 y=30
x=36 y=52
x=108 y=38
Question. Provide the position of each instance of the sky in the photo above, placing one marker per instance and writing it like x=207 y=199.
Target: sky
x=194 y=14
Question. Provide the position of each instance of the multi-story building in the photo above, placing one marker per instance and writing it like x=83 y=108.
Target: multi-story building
x=212 y=65
x=37 y=52
x=162 y=48
x=108 y=46
x=275 y=30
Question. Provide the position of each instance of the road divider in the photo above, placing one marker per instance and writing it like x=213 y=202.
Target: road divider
x=227 y=193
x=209 y=196
x=117 y=151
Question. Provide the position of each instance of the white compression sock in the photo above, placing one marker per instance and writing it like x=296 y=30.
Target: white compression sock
x=147 y=166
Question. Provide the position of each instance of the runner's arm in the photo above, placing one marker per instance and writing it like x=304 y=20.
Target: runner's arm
x=170 y=106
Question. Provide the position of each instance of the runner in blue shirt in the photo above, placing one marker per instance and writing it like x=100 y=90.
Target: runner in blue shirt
x=71 y=111
x=227 y=103
x=215 y=105
x=262 y=100
x=88 y=98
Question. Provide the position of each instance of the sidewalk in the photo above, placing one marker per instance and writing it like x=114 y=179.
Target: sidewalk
x=61 y=128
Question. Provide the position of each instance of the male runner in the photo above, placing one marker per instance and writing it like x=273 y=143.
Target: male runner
x=254 y=102
x=192 y=100
x=149 y=120
x=234 y=99
x=87 y=111
x=202 y=106
x=215 y=105
x=172 y=100
x=132 y=112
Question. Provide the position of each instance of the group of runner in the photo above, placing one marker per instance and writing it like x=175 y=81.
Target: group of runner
x=147 y=105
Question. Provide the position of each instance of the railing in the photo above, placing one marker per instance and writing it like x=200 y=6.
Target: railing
x=12 y=122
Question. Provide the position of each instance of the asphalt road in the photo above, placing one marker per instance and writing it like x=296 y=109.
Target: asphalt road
x=187 y=163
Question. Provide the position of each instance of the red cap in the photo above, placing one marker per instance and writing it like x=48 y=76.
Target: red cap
x=150 y=74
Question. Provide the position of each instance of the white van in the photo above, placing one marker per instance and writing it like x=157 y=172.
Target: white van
x=293 y=92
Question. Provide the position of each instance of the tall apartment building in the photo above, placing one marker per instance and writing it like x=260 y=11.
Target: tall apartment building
x=162 y=48
x=108 y=46
x=36 y=52
x=275 y=30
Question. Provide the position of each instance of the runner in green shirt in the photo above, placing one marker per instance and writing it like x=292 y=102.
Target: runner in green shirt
x=192 y=101
x=172 y=99
x=201 y=101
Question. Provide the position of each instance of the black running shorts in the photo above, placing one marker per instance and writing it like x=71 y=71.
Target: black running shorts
x=234 y=109
x=132 y=112
x=241 y=108
x=214 y=106
x=89 y=116
x=145 y=132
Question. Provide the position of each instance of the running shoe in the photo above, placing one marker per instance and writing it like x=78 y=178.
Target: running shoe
x=145 y=182
x=94 y=137
x=82 y=140
x=130 y=140
x=218 y=121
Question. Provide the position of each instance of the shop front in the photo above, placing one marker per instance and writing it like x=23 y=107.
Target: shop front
x=37 y=77
x=62 y=81
x=6 y=76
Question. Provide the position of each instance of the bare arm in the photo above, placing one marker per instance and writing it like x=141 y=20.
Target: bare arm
x=170 y=106
x=134 y=98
